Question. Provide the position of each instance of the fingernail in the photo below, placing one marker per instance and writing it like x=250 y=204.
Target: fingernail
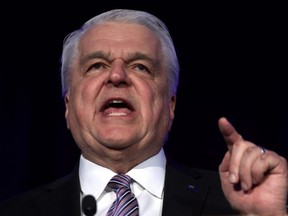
x=244 y=186
x=232 y=177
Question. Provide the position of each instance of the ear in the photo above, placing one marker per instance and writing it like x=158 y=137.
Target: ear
x=172 y=105
x=66 y=99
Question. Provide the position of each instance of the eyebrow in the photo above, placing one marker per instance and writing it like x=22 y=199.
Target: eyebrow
x=97 y=54
x=141 y=56
x=131 y=57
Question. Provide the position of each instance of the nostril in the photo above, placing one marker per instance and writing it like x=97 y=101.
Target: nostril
x=117 y=84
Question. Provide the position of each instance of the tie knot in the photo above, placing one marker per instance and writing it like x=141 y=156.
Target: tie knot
x=125 y=202
x=119 y=181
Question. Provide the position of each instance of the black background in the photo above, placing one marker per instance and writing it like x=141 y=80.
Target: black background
x=233 y=60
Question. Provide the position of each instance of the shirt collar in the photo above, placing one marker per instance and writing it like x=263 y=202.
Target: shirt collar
x=150 y=174
x=93 y=178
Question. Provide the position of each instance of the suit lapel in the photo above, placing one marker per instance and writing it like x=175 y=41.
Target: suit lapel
x=62 y=197
x=185 y=192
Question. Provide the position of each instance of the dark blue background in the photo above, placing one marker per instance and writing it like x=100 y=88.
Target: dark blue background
x=233 y=60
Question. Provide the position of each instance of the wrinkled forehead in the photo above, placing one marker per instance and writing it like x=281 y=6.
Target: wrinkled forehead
x=119 y=31
x=121 y=38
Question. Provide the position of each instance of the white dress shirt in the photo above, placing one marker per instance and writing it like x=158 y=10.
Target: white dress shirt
x=148 y=184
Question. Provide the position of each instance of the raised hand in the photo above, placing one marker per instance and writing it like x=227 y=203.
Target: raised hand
x=254 y=180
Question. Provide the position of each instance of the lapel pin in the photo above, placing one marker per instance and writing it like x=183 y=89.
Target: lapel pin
x=193 y=188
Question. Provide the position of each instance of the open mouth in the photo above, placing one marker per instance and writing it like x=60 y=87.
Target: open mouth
x=117 y=107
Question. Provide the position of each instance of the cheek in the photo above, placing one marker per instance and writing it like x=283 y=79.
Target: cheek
x=150 y=95
x=83 y=95
x=162 y=96
x=159 y=100
x=87 y=88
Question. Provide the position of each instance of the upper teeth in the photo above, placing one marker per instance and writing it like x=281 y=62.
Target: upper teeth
x=116 y=101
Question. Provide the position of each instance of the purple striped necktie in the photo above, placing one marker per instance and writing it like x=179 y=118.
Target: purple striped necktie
x=126 y=203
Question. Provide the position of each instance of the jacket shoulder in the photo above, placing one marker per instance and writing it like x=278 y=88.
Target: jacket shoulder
x=46 y=199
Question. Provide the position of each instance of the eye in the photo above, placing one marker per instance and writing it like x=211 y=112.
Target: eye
x=142 y=68
x=96 y=66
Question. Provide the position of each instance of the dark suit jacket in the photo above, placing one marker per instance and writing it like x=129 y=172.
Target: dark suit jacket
x=187 y=192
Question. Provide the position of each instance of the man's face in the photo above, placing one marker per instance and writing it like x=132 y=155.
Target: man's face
x=118 y=100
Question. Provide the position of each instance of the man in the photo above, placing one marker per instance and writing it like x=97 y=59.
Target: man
x=119 y=77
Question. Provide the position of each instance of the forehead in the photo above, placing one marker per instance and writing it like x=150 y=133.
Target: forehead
x=118 y=29
x=119 y=34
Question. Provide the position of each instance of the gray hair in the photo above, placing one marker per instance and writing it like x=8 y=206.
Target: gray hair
x=71 y=42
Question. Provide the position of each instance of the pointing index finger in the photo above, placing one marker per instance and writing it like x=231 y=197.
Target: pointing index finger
x=229 y=133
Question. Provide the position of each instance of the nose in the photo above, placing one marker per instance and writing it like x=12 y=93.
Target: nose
x=118 y=74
